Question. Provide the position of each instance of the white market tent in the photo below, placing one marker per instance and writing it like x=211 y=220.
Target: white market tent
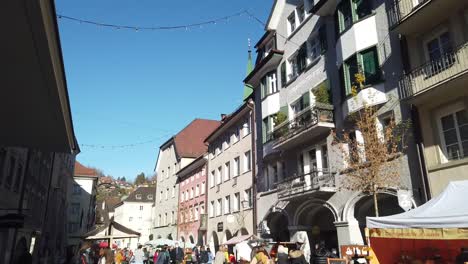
x=448 y=210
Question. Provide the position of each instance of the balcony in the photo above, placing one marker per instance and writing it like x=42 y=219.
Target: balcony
x=427 y=77
x=415 y=16
x=309 y=123
x=319 y=180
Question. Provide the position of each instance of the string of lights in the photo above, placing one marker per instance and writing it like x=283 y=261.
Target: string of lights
x=131 y=145
x=155 y=28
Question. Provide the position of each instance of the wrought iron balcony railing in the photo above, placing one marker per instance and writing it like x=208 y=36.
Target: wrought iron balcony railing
x=305 y=119
x=314 y=180
x=401 y=9
x=430 y=74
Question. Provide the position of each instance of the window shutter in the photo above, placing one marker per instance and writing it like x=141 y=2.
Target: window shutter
x=301 y=57
x=262 y=88
x=264 y=127
x=268 y=84
x=323 y=38
x=283 y=74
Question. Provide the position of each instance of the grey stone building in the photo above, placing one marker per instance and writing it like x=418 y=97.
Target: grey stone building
x=302 y=81
x=230 y=169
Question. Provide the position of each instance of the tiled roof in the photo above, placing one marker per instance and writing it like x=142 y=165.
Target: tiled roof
x=112 y=202
x=189 y=142
x=143 y=193
x=81 y=170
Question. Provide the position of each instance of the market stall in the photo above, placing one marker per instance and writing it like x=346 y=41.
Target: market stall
x=435 y=231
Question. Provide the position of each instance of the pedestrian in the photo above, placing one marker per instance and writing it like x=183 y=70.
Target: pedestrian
x=155 y=257
x=179 y=254
x=210 y=256
x=282 y=256
x=203 y=255
x=119 y=257
x=163 y=256
x=297 y=257
x=261 y=256
x=195 y=255
x=138 y=256
x=172 y=254
x=146 y=256
x=220 y=258
x=105 y=256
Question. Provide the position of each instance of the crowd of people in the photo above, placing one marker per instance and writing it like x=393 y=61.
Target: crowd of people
x=176 y=255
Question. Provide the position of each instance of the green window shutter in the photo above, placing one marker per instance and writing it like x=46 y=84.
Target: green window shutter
x=283 y=74
x=323 y=38
x=370 y=65
x=262 y=87
x=305 y=100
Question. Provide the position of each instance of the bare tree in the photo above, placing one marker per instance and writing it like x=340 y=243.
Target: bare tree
x=370 y=151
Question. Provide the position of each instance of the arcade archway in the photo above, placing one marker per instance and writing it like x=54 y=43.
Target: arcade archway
x=278 y=225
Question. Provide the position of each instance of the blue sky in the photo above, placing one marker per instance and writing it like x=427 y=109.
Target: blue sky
x=127 y=87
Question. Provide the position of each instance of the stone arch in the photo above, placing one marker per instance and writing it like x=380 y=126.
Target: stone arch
x=214 y=242
x=349 y=208
x=182 y=238
x=314 y=203
x=244 y=231
x=277 y=223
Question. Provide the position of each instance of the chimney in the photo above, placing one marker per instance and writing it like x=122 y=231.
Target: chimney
x=223 y=116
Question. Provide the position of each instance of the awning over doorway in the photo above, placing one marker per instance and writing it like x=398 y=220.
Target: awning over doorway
x=238 y=239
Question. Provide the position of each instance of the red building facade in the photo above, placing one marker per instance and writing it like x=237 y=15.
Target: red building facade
x=192 y=202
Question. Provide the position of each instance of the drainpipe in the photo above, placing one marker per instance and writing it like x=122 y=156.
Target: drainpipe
x=51 y=174
x=251 y=105
x=420 y=153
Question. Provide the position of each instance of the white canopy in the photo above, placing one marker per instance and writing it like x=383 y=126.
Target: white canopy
x=448 y=210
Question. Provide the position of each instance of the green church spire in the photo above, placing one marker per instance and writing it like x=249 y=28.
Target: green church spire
x=248 y=89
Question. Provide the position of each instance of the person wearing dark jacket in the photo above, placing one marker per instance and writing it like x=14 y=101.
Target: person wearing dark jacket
x=203 y=256
x=179 y=254
x=297 y=257
x=172 y=254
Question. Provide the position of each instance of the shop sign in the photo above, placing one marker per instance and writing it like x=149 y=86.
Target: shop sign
x=220 y=227
x=350 y=250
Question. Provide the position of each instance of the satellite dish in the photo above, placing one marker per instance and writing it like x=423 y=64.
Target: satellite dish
x=230 y=219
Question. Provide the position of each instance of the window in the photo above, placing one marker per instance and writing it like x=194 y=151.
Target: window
x=313 y=160
x=196 y=212
x=172 y=218
x=191 y=193
x=218 y=207
x=173 y=191
x=301 y=164
x=217 y=151
x=227 y=171
x=439 y=52
x=247 y=161
x=202 y=208
x=160 y=196
x=167 y=193
x=236 y=202
x=350 y=11
x=168 y=172
x=283 y=170
x=130 y=219
x=454 y=134
x=165 y=219
x=162 y=175
x=268 y=84
x=159 y=220
x=76 y=189
x=138 y=196
x=246 y=127
x=299 y=105
x=274 y=169
x=182 y=197
x=283 y=74
x=366 y=61
x=227 y=205
x=203 y=188
x=197 y=190
x=313 y=49
x=300 y=14
x=190 y=213
x=150 y=197
x=292 y=22
x=324 y=157
x=226 y=142
x=297 y=62
x=236 y=166
x=218 y=175
x=212 y=179
x=211 y=209
x=236 y=134
x=248 y=197
x=141 y=207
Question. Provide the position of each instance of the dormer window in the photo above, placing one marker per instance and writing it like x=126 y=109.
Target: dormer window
x=292 y=22
x=150 y=197
x=138 y=196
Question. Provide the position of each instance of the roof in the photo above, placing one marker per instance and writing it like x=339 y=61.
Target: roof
x=144 y=192
x=192 y=166
x=189 y=142
x=81 y=170
x=111 y=203
x=226 y=121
